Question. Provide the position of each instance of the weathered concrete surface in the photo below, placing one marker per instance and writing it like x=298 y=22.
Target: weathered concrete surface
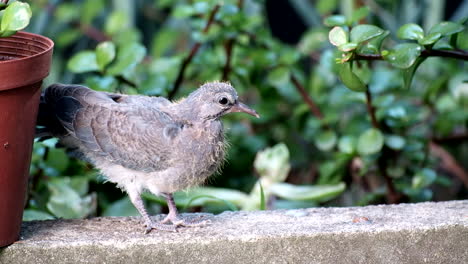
x=407 y=233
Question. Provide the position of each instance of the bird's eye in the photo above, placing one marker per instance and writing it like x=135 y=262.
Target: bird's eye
x=223 y=100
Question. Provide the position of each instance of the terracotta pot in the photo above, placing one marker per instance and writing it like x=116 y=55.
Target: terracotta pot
x=25 y=60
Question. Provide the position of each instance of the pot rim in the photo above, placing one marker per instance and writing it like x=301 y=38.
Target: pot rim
x=18 y=72
x=43 y=39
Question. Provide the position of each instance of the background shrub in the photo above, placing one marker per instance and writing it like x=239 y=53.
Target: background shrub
x=362 y=102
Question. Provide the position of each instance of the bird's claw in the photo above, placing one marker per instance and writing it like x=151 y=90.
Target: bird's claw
x=160 y=226
x=176 y=221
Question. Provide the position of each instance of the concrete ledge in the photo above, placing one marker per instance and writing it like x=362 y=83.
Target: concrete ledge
x=407 y=233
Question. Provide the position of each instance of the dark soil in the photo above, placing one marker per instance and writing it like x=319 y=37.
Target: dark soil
x=5 y=58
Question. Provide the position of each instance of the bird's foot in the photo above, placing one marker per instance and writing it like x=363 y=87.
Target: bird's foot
x=177 y=221
x=159 y=226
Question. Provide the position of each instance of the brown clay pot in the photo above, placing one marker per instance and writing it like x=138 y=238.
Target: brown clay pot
x=25 y=60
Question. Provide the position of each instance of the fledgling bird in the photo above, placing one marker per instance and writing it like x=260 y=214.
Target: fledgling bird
x=141 y=142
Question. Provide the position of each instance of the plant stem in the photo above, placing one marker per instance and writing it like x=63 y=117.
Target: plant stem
x=392 y=195
x=92 y=32
x=448 y=162
x=456 y=138
x=305 y=96
x=228 y=47
x=121 y=79
x=193 y=51
x=371 y=109
x=456 y=54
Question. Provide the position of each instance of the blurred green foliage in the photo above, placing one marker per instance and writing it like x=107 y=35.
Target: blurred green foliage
x=399 y=133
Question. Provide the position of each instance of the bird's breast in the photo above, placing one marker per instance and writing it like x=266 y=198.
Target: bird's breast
x=200 y=153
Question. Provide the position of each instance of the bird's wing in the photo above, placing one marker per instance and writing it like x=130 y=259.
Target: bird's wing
x=141 y=100
x=128 y=134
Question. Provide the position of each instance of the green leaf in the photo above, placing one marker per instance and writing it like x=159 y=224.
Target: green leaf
x=79 y=184
x=326 y=140
x=67 y=37
x=410 y=31
x=116 y=21
x=336 y=20
x=351 y=80
x=91 y=8
x=32 y=215
x=326 y=6
x=370 y=142
x=84 y=61
x=105 y=54
x=338 y=36
x=312 y=41
x=446 y=28
x=332 y=171
x=183 y=11
x=397 y=112
x=395 y=142
x=288 y=56
x=66 y=12
x=262 y=197
x=403 y=55
x=154 y=85
x=230 y=205
x=279 y=76
x=165 y=65
x=122 y=207
x=362 y=33
x=201 y=7
x=273 y=163
x=15 y=17
x=462 y=40
x=446 y=104
x=102 y=83
x=163 y=41
x=228 y=9
x=359 y=14
x=430 y=39
x=7 y=33
x=65 y=202
x=348 y=46
x=368 y=48
x=376 y=42
x=408 y=74
x=128 y=56
x=57 y=159
x=424 y=178
x=320 y=193
x=126 y=35
x=204 y=196
x=345 y=57
x=347 y=144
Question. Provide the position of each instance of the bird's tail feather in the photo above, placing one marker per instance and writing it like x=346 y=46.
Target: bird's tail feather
x=56 y=109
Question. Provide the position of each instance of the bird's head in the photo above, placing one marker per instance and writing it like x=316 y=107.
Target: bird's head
x=215 y=99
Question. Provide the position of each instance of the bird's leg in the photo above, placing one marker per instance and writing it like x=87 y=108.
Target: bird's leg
x=135 y=198
x=173 y=216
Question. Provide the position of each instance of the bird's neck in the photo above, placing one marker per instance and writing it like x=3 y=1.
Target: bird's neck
x=206 y=127
x=186 y=109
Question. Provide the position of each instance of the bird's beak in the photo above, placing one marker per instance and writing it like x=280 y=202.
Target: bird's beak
x=240 y=107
